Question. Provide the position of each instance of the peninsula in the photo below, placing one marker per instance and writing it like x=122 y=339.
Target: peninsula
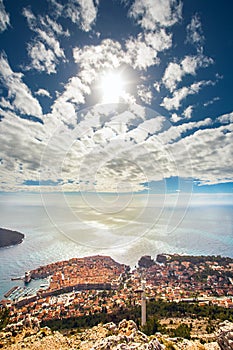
x=9 y=237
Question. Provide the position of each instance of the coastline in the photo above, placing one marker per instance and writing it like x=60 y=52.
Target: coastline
x=82 y=276
x=10 y=238
x=44 y=244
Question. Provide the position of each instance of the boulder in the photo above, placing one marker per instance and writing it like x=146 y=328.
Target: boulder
x=225 y=336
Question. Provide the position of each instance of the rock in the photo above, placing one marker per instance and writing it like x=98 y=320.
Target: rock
x=212 y=346
x=224 y=335
x=155 y=344
x=186 y=344
x=127 y=327
x=112 y=327
x=125 y=336
x=146 y=261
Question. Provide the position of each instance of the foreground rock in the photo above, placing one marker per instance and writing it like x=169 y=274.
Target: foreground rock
x=125 y=336
x=225 y=335
x=102 y=337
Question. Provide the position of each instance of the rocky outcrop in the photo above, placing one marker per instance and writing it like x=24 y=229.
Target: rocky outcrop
x=146 y=261
x=185 y=344
x=225 y=335
x=124 y=336
x=102 y=337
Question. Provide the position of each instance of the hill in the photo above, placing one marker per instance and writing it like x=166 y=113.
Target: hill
x=8 y=237
x=125 y=336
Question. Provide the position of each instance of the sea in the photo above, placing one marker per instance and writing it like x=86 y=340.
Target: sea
x=125 y=227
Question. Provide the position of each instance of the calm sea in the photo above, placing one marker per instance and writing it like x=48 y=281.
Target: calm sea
x=58 y=228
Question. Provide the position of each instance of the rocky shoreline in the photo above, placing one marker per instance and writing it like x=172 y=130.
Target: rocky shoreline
x=9 y=238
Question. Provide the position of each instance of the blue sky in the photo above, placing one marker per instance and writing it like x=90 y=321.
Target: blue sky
x=116 y=96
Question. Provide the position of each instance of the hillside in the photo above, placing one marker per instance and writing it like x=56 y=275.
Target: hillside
x=104 y=337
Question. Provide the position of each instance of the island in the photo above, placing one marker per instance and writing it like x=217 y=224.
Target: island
x=9 y=237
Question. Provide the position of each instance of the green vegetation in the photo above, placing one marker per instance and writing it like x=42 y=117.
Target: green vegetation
x=182 y=331
x=4 y=317
x=91 y=320
x=184 y=309
x=155 y=311
x=210 y=327
x=152 y=326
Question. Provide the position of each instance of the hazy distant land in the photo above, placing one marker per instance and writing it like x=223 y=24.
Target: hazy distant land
x=8 y=237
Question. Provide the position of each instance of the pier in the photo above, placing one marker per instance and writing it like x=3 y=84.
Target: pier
x=11 y=291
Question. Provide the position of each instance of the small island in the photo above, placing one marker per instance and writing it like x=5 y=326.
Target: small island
x=9 y=237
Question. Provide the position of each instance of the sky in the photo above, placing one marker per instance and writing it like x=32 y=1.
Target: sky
x=114 y=96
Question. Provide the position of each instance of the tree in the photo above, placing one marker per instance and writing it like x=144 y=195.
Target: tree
x=151 y=326
x=182 y=331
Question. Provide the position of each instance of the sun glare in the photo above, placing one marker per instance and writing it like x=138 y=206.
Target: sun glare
x=112 y=86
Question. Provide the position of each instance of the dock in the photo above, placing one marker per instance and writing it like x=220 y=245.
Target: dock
x=11 y=291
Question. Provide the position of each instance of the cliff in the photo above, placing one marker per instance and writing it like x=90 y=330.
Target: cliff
x=105 y=337
x=8 y=237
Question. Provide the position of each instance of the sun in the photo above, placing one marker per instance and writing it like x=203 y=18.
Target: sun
x=112 y=86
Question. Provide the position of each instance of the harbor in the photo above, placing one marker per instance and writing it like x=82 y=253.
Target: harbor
x=17 y=293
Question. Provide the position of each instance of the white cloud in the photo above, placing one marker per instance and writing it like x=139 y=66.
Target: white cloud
x=43 y=92
x=154 y=125
x=174 y=133
x=172 y=75
x=93 y=61
x=145 y=94
x=159 y=40
x=188 y=112
x=6 y=104
x=174 y=102
x=107 y=55
x=20 y=151
x=175 y=72
x=141 y=56
x=75 y=90
x=210 y=102
x=55 y=27
x=36 y=24
x=203 y=154
x=4 y=17
x=140 y=53
x=43 y=59
x=157 y=86
x=194 y=125
x=18 y=92
x=175 y=118
x=226 y=118
x=125 y=148
x=64 y=108
x=194 y=32
x=51 y=42
x=151 y=14
x=81 y=12
x=45 y=50
x=210 y=151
